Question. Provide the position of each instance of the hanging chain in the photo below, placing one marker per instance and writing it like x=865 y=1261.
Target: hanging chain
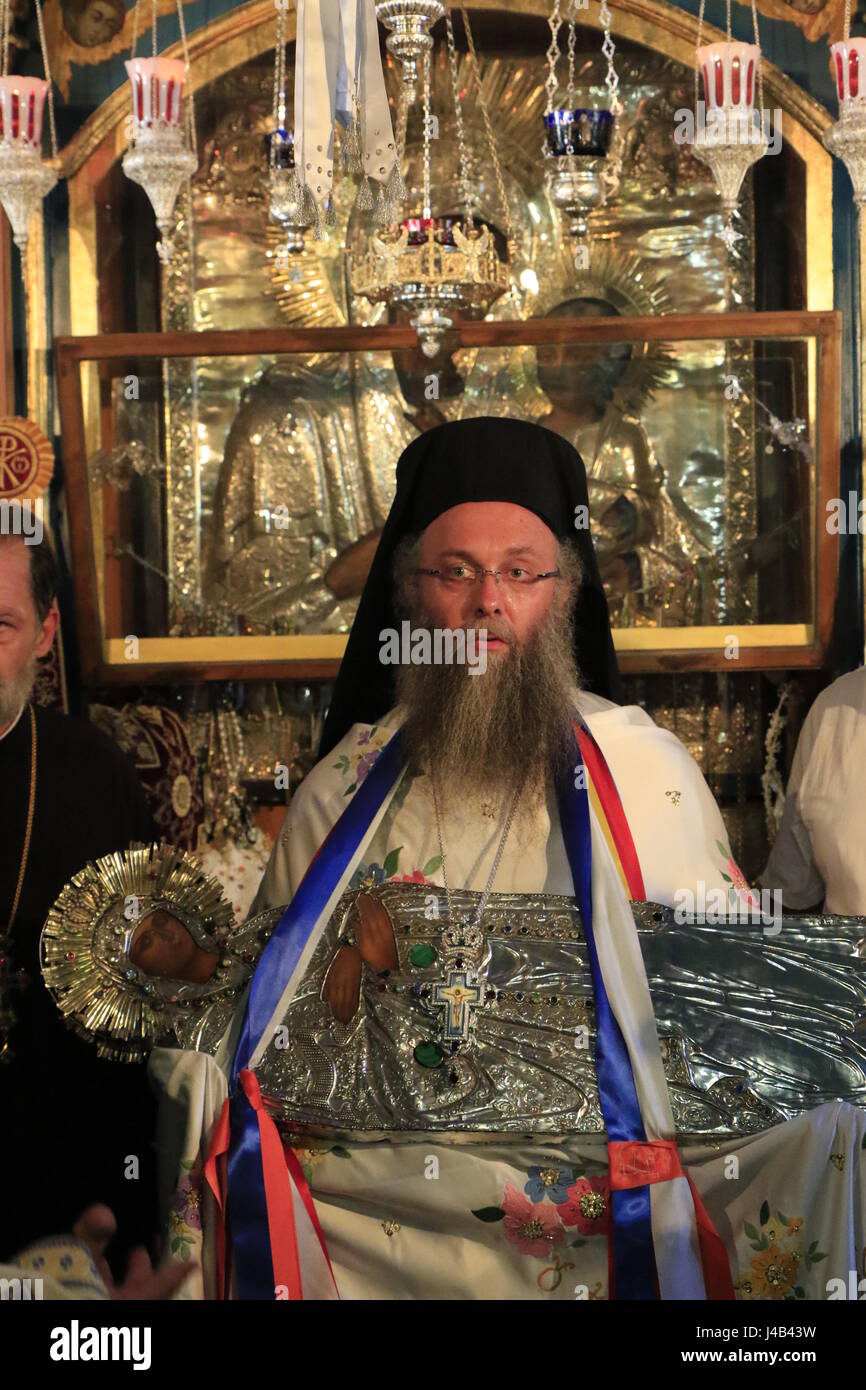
x=426 y=210
x=847 y=31
x=278 y=105
x=465 y=186
x=555 y=20
x=697 y=46
x=42 y=44
x=488 y=131
x=278 y=109
x=5 y=20
x=403 y=103
x=188 y=83
x=153 y=27
x=572 y=40
x=760 y=61
x=482 y=902
x=134 y=28
x=608 y=48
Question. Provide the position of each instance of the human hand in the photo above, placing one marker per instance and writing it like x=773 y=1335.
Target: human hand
x=95 y=1227
x=375 y=934
x=342 y=986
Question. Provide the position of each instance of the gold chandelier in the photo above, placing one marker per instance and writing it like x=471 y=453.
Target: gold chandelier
x=437 y=265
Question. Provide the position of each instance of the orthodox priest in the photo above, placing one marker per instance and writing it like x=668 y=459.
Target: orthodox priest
x=76 y=1129
x=486 y=805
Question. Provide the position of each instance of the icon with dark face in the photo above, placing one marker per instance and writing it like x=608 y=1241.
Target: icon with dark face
x=92 y=22
x=162 y=947
x=582 y=377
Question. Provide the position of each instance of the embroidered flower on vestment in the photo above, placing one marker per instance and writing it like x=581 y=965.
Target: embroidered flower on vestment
x=358 y=763
x=532 y=1227
x=774 y=1272
x=367 y=876
x=549 y=1182
x=186 y=1209
x=737 y=879
x=587 y=1206
x=778 y=1258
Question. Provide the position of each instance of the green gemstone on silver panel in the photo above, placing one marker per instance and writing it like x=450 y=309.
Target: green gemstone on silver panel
x=428 y=1054
x=422 y=955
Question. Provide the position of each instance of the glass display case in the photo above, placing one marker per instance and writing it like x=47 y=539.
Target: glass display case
x=226 y=489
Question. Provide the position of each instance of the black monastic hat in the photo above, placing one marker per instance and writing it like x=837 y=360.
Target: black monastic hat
x=484 y=459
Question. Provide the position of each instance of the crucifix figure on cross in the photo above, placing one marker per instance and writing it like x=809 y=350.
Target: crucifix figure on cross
x=459 y=995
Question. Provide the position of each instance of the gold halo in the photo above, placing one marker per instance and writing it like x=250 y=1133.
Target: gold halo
x=84 y=947
x=26 y=459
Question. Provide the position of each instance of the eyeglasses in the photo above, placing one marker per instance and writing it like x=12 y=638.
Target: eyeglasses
x=463 y=576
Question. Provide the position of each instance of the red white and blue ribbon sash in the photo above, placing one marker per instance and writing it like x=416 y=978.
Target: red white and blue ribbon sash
x=636 y=1162
x=277 y=1246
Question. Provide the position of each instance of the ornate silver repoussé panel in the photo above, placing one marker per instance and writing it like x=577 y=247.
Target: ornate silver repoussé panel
x=756 y=1022
x=754 y=1028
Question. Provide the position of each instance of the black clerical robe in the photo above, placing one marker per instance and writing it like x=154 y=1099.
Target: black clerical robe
x=70 y=1120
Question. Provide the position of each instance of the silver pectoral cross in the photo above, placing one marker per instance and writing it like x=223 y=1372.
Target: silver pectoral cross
x=460 y=994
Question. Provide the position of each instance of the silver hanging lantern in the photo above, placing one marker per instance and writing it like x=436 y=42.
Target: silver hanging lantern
x=727 y=137
x=410 y=22
x=846 y=138
x=25 y=178
x=582 y=146
x=162 y=153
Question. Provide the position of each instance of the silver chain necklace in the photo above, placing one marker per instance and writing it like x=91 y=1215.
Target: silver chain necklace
x=482 y=902
x=460 y=990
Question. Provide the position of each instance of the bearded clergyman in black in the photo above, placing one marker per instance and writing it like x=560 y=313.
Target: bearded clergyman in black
x=77 y=1130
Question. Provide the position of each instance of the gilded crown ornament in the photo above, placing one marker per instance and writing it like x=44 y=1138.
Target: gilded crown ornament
x=731 y=138
x=433 y=265
x=25 y=177
x=162 y=155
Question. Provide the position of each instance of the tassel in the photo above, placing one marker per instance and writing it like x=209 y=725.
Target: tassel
x=351 y=151
x=312 y=212
x=330 y=212
x=401 y=192
x=384 y=207
x=364 y=199
x=395 y=188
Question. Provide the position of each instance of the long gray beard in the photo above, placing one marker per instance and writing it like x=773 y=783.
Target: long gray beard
x=494 y=731
x=16 y=692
